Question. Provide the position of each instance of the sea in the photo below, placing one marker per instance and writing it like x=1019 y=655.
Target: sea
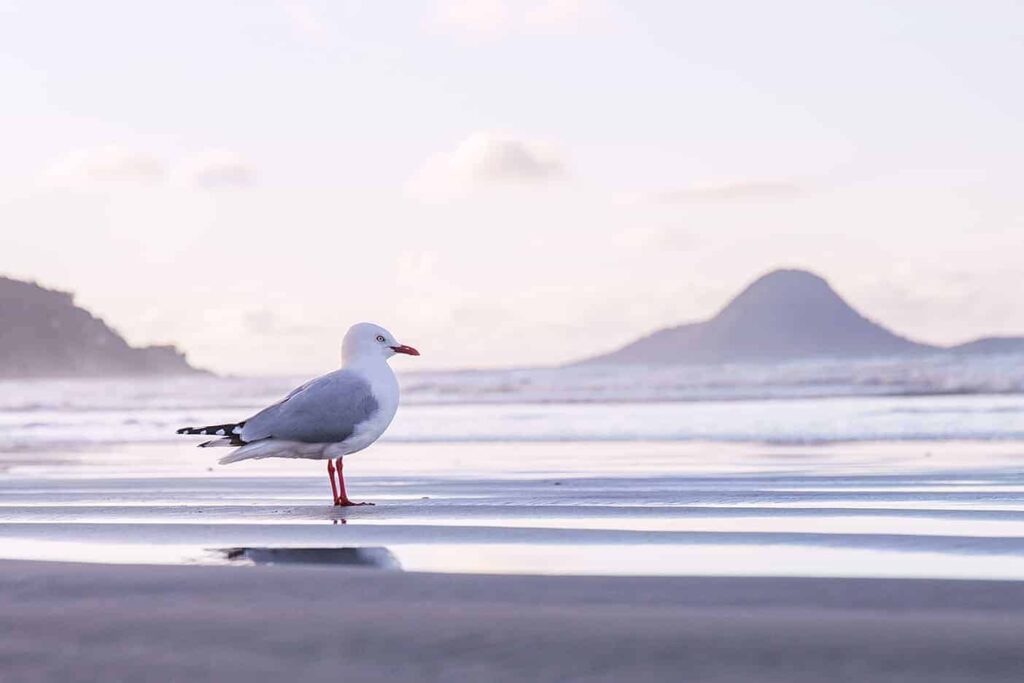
x=944 y=397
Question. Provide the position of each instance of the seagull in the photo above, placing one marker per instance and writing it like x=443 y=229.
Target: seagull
x=326 y=418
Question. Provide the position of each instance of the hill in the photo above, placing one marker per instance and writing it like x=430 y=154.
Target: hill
x=783 y=315
x=44 y=334
x=991 y=345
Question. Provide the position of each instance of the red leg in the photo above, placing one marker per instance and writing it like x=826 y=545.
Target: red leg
x=330 y=475
x=342 y=499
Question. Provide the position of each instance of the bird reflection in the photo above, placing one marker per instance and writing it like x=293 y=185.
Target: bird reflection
x=376 y=558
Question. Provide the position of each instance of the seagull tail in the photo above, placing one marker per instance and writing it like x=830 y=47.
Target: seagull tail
x=231 y=433
x=222 y=441
x=265 y=448
x=235 y=457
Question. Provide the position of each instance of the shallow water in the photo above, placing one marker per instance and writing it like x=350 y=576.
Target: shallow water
x=937 y=509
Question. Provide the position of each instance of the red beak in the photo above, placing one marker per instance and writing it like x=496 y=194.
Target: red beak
x=405 y=349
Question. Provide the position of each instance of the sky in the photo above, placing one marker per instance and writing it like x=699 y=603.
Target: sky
x=507 y=183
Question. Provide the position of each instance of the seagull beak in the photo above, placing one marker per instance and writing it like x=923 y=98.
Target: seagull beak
x=405 y=349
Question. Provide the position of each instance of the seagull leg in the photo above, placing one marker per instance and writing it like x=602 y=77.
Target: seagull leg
x=342 y=500
x=330 y=475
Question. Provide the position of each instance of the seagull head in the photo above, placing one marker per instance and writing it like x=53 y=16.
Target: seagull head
x=366 y=340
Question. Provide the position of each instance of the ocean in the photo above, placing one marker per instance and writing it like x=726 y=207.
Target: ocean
x=935 y=398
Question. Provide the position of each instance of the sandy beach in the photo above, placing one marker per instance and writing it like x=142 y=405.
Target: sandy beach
x=63 y=622
x=539 y=561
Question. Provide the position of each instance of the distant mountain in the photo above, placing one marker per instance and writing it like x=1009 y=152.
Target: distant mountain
x=44 y=334
x=991 y=345
x=784 y=315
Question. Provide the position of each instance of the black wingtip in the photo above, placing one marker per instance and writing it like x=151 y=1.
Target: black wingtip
x=227 y=429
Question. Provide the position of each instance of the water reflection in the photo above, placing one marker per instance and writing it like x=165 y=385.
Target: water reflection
x=376 y=558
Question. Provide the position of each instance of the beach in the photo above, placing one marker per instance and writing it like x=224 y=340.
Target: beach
x=91 y=622
x=538 y=559
x=938 y=511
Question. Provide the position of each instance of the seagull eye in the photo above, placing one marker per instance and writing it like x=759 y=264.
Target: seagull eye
x=380 y=337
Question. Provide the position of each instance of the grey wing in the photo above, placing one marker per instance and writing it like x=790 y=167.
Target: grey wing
x=325 y=410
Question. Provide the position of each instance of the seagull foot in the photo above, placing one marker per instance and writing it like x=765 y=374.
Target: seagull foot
x=346 y=503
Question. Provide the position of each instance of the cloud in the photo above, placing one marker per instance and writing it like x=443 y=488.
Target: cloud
x=113 y=166
x=107 y=165
x=488 y=159
x=731 y=191
x=219 y=168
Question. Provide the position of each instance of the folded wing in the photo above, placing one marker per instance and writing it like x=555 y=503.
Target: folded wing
x=327 y=409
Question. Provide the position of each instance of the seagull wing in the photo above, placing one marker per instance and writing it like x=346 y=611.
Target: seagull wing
x=324 y=410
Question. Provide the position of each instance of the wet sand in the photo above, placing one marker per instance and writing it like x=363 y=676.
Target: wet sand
x=90 y=622
x=561 y=562
x=873 y=510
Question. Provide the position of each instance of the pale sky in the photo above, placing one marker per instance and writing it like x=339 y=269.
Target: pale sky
x=507 y=183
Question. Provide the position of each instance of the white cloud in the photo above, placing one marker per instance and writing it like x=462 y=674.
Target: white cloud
x=113 y=167
x=219 y=168
x=488 y=159
x=107 y=165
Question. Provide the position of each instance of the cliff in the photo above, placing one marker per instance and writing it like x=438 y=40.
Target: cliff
x=44 y=334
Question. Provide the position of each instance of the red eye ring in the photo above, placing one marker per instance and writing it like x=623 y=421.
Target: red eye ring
x=380 y=337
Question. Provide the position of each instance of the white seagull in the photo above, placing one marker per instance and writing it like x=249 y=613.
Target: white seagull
x=328 y=417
